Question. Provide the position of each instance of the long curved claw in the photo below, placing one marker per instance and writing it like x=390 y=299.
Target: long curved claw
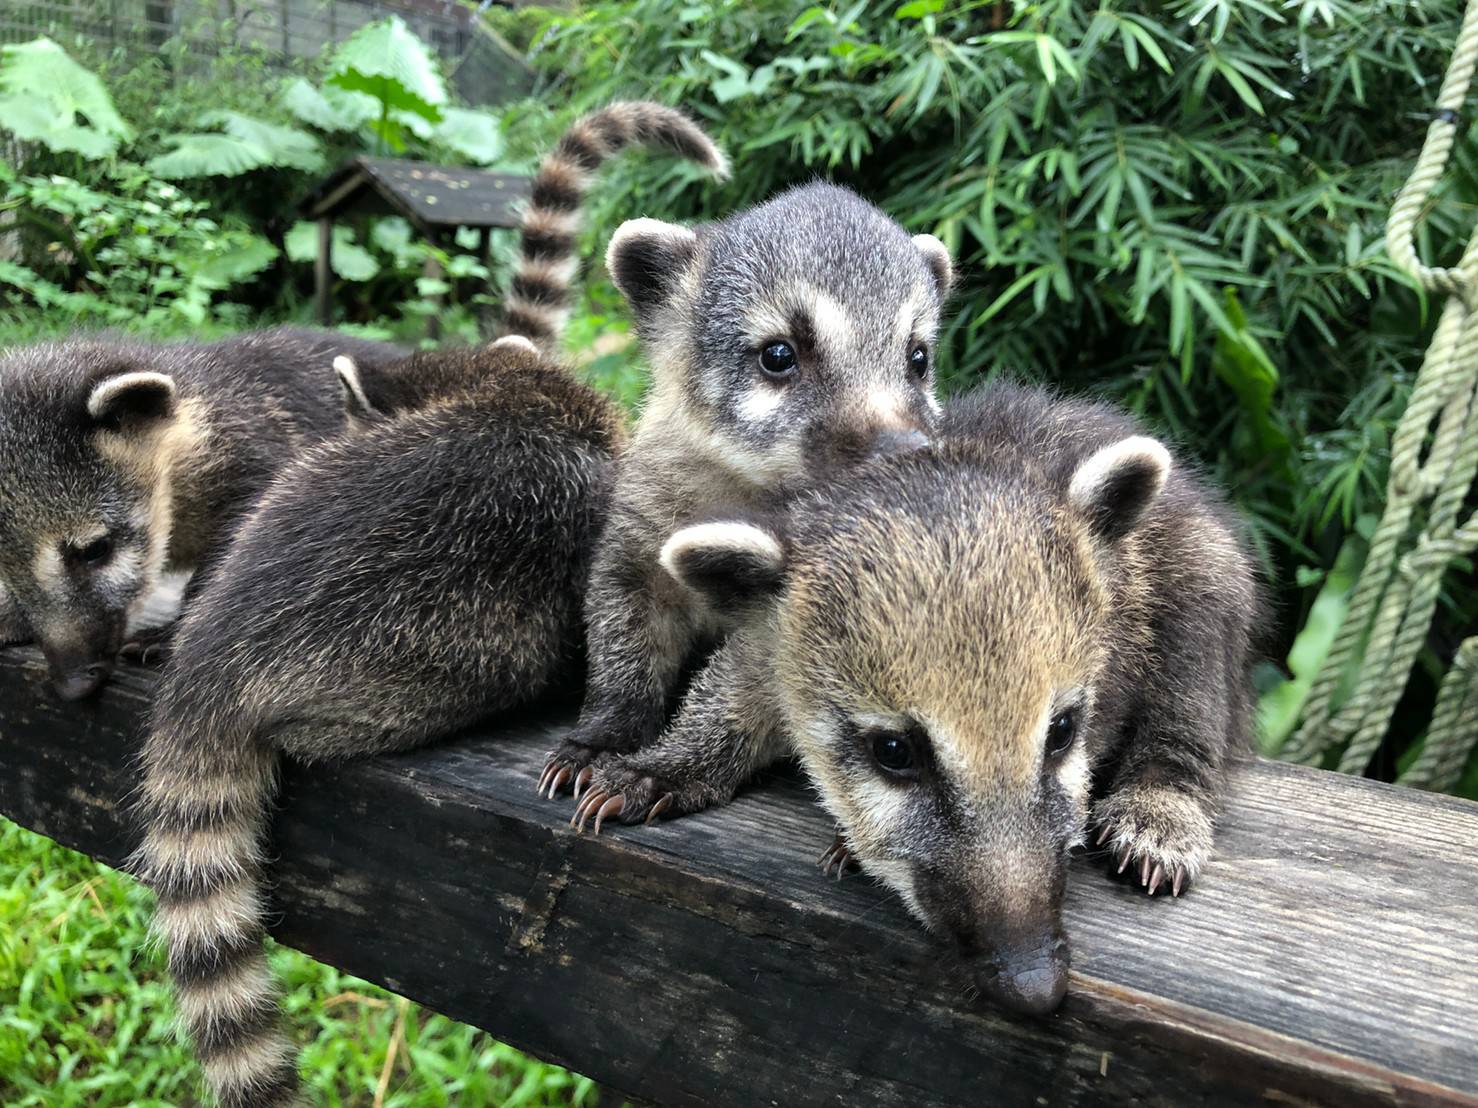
x=582 y=779
x=1104 y=835
x=664 y=802
x=611 y=807
x=1123 y=859
x=1156 y=878
x=1179 y=882
x=1144 y=870
x=586 y=808
x=544 y=777
x=558 y=781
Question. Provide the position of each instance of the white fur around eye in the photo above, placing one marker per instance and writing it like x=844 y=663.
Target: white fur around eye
x=761 y=403
x=47 y=568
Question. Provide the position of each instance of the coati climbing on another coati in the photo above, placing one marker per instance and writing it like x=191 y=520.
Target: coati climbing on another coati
x=422 y=571
x=959 y=644
x=120 y=459
x=786 y=341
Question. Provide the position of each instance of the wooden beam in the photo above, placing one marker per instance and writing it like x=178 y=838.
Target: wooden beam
x=1329 y=954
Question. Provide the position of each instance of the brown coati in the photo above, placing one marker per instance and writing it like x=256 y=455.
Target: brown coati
x=785 y=341
x=120 y=459
x=391 y=586
x=424 y=570
x=959 y=644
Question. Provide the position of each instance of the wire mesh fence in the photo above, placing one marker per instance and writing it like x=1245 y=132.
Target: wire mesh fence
x=284 y=33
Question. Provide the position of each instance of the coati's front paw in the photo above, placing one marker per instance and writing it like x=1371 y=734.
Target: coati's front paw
x=151 y=646
x=569 y=761
x=838 y=858
x=1163 y=832
x=631 y=795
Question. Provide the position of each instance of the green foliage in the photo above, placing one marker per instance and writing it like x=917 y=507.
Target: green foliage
x=85 y=1011
x=46 y=97
x=139 y=250
x=1179 y=207
x=245 y=144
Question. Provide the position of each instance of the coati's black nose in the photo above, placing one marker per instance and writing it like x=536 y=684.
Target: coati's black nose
x=891 y=442
x=1027 y=977
x=80 y=683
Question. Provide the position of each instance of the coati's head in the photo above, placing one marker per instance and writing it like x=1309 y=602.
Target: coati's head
x=792 y=336
x=374 y=394
x=90 y=437
x=940 y=629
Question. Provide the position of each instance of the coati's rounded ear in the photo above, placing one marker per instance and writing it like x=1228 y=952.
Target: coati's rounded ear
x=1115 y=485
x=936 y=257
x=357 y=405
x=731 y=564
x=510 y=343
x=646 y=259
x=130 y=399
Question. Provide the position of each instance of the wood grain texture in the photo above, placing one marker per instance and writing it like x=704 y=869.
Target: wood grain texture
x=1327 y=956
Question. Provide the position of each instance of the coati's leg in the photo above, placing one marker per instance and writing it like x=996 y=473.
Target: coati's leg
x=637 y=648
x=1194 y=710
x=726 y=729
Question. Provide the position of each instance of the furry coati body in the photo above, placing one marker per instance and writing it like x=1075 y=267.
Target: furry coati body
x=538 y=299
x=391 y=586
x=959 y=644
x=787 y=341
x=422 y=571
x=122 y=459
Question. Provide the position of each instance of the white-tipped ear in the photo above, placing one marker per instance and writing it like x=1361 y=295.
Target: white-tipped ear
x=936 y=257
x=1116 y=483
x=357 y=405
x=510 y=343
x=132 y=399
x=647 y=258
x=729 y=563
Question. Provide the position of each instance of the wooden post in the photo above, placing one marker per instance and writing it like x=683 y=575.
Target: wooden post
x=433 y=271
x=323 y=272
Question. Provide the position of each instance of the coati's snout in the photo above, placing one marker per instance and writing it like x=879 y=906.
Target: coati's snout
x=78 y=682
x=1015 y=954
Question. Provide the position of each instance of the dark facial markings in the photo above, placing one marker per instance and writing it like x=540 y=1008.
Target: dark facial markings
x=918 y=360
x=94 y=553
x=900 y=755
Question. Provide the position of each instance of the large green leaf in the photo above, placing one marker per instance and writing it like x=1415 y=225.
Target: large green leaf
x=387 y=61
x=235 y=263
x=47 y=97
x=477 y=136
x=329 y=108
x=246 y=145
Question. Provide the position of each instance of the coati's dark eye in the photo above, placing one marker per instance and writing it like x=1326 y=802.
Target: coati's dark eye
x=1061 y=732
x=95 y=551
x=918 y=360
x=778 y=360
x=895 y=753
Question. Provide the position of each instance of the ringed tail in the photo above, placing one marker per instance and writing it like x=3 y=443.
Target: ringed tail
x=538 y=300
x=206 y=792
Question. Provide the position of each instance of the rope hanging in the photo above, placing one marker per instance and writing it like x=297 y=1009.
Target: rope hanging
x=1432 y=469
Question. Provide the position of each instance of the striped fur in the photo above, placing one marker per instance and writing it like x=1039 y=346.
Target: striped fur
x=538 y=299
x=206 y=788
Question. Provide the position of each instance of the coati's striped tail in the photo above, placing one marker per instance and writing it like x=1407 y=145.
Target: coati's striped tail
x=205 y=798
x=538 y=300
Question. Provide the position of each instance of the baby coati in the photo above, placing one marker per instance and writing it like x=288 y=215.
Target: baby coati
x=785 y=341
x=391 y=586
x=959 y=644
x=422 y=571
x=122 y=459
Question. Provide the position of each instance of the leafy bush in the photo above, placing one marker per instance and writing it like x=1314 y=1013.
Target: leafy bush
x=1179 y=206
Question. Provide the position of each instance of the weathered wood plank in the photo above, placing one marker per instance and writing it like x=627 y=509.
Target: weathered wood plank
x=1329 y=955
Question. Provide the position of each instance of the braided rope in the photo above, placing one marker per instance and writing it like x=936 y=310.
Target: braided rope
x=1432 y=468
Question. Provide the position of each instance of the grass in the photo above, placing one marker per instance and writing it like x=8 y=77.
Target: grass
x=86 y=1014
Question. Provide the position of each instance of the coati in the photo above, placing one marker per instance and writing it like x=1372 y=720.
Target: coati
x=959 y=644
x=425 y=569
x=788 y=340
x=122 y=459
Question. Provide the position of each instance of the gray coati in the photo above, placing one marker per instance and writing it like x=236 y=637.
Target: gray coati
x=391 y=586
x=785 y=341
x=422 y=571
x=122 y=459
x=959 y=644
